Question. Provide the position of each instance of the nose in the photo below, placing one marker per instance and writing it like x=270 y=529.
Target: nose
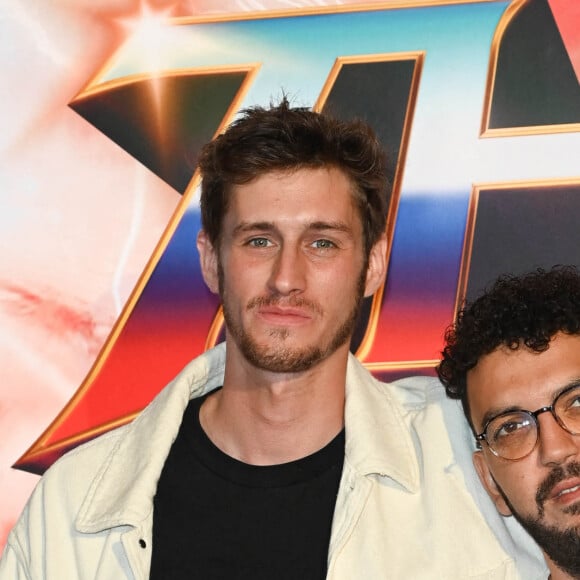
x=556 y=444
x=288 y=274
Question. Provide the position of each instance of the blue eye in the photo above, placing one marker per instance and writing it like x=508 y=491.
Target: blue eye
x=324 y=244
x=259 y=242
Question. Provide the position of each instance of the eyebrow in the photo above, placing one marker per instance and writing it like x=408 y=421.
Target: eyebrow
x=244 y=227
x=321 y=226
x=497 y=411
x=332 y=226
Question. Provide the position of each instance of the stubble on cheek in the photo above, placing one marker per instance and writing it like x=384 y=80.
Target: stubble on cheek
x=265 y=353
x=562 y=545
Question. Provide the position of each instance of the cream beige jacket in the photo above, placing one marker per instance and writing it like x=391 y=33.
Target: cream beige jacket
x=409 y=506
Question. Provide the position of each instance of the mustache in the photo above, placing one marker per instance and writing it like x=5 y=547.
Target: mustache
x=281 y=301
x=557 y=475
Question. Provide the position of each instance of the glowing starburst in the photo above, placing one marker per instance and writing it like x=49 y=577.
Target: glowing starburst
x=146 y=31
x=148 y=22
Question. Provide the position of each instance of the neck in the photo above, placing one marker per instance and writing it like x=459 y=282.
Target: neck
x=265 y=418
x=557 y=573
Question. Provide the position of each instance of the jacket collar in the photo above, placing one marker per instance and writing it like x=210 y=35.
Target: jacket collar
x=377 y=442
x=122 y=491
x=378 y=439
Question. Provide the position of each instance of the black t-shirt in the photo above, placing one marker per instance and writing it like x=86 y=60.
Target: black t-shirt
x=218 y=518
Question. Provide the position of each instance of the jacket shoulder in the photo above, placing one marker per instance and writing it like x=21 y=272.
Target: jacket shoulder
x=76 y=469
x=419 y=391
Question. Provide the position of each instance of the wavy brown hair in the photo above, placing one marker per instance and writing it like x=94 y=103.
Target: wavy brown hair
x=282 y=138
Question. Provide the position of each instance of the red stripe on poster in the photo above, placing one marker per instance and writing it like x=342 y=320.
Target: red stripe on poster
x=567 y=16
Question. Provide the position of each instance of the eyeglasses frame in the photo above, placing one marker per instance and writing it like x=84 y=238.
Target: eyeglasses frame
x=534 y=415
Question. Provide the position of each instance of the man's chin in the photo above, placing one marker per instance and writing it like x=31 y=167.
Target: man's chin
x=282 y=360
x=561 y=545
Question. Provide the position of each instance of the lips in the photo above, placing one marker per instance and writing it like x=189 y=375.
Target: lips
x=566 y=491
x=561 y=486
x=286 y=315
x=295 y=308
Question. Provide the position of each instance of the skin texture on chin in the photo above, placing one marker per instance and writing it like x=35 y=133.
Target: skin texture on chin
x=290 y=360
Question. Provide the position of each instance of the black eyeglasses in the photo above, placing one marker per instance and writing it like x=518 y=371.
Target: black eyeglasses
x=514 y=434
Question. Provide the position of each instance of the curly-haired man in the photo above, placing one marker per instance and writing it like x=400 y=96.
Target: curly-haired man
x=513 y=359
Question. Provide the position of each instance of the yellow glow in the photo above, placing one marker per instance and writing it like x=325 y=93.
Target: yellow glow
x=148 y=22
x=146 y=32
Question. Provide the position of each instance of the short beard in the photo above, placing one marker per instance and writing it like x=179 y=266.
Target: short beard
x=562 y=546
x=289 y=360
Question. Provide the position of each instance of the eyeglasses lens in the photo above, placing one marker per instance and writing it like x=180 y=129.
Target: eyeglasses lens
x=567 y=409
x=514 y=435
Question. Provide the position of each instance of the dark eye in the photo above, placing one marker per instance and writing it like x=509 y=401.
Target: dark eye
x=568 y=405
x=574 y=400
x=516 y=425
x=509 y=428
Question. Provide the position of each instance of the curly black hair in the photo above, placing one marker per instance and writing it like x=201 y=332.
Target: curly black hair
x=521 y=310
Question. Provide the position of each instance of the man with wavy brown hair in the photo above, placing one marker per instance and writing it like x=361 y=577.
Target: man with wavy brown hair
x=275 y=455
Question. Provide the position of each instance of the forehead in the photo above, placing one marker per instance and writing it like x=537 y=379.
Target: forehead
x=507 y=379
x=307 y=194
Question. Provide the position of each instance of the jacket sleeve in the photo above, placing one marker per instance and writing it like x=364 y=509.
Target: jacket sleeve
x=11 y=568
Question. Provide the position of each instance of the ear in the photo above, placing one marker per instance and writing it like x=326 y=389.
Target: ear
x=489 y=483
x=377 y=267
x=208 y=261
